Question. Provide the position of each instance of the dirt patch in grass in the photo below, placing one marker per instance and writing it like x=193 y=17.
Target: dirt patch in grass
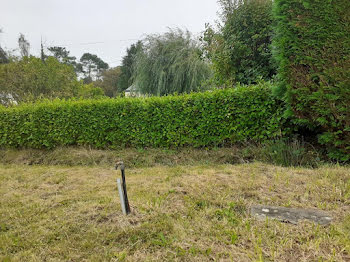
x=179 y=213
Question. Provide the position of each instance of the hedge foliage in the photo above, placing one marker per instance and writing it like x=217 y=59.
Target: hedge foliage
x=313 y=49
x=198 y=119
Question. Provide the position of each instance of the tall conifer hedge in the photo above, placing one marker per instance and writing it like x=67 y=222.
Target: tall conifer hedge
x=313 y=50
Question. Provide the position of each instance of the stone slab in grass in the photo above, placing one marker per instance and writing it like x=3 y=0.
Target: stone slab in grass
x=291 y=215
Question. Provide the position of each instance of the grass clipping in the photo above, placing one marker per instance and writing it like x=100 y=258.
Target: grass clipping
x=179 y=213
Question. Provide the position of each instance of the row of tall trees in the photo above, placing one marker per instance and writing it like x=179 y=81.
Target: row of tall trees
x=236 y=50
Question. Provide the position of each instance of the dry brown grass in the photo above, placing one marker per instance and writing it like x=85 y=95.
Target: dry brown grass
x=285 y=153
x=180 y=213
x=84 y=156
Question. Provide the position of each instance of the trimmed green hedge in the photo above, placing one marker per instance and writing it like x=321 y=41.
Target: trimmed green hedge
x=313 y=50
x=199 y=119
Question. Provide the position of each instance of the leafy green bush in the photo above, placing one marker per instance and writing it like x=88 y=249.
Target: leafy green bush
x=31 y=79
x=200 y=119
x=89 y=91
x=313 y=50
x=239 y=50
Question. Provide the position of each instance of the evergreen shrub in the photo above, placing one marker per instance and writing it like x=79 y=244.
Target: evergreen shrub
x=199 y=119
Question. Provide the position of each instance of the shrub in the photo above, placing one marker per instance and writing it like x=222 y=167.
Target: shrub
x=89 y=91
x=199 y=119
x=239 y=49
x=31 y=79
x=313 y=50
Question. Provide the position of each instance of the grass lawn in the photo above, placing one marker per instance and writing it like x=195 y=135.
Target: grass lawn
x=179 y=213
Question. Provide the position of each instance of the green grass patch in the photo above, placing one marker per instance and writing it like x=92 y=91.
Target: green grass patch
x=179 y=213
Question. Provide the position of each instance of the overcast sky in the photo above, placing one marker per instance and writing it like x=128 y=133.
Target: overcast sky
x=103 y=27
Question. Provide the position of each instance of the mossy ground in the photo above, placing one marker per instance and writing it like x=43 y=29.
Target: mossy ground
x=179 y=213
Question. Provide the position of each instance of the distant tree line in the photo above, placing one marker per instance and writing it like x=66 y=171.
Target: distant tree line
x=55 y=74
x=238 y=50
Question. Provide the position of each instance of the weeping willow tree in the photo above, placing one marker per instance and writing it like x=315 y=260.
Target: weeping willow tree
x=170 y=63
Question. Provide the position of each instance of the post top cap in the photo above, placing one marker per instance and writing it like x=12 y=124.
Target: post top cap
x=120 y=164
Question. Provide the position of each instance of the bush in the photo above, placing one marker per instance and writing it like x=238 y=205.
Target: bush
x=86 y=91
x=200 y=119
x=313 y=50
x=239 y=50
x=31 y=79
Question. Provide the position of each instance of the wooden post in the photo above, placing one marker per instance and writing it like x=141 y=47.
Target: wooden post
x=125 y=194
x=121 y=196
x=127 y=206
